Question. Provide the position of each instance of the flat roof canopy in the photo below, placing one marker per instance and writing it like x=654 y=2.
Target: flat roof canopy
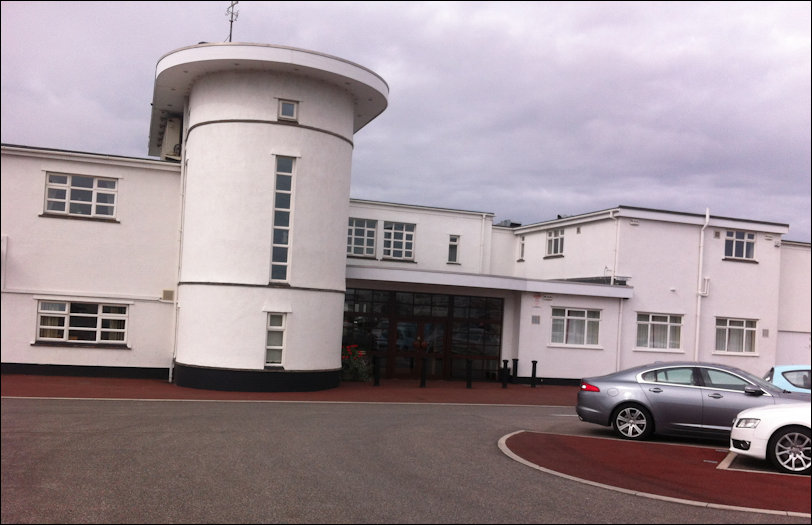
x=177 y=71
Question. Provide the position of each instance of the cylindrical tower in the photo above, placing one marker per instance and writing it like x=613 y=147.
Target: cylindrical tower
x=266 y=149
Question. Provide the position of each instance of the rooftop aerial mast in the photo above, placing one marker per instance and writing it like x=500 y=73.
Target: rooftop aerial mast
x=232 y=14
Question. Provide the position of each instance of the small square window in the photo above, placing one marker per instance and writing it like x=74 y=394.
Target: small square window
x=288 y=110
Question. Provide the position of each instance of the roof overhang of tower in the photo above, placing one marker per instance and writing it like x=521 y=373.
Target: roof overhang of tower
x=176 y=72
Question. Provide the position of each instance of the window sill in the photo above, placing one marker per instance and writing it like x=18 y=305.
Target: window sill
x=554 y=256
x=454 y=263
x=77 y=217
x=72 y=344
x=367 y=257
x=658 y=350
x=738 y=260
x=574 y=347
x=388 y=259
x=740 y=354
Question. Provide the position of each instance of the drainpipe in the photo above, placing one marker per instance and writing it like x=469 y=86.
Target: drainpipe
x=619 y=339
x=702 y=284
x=482 y=245
x=180 y=256
x=183 y=166
x=617 y=244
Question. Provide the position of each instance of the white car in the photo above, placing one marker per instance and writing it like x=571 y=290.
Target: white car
x=778 y=433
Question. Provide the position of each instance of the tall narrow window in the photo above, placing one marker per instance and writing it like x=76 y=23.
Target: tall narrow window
x=740 y=245
x=735 y=335
x=555 y=242
x=398 y=241
x=453 y=249
x=275 y=339
x=283 y=200
x=521 y=249
x=361 y=237
x=80 y=195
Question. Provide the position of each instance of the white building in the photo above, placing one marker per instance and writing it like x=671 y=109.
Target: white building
x=225 y=264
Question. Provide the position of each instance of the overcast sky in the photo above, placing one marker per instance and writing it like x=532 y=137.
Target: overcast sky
x=528 y=110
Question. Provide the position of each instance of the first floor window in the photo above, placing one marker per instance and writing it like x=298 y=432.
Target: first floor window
x=453 y=248
x=573 y=326
x=740 y=245
x=361 y=237
x=658 y=331
x=80 y=195
x=555 y=242
x=275 y=339
x=288 y=110
x=398 y=240
x=82 y=322
x=735 y=335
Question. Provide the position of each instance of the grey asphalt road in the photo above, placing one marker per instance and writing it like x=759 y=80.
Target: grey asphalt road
x=114 y=461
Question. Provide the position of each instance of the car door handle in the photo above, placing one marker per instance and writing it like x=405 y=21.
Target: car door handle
x=656 y=390
x=716 y=396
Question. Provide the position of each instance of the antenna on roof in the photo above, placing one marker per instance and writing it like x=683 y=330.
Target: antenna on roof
x=232 y=14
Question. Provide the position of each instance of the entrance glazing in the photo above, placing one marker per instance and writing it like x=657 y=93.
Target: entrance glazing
x=404 y=330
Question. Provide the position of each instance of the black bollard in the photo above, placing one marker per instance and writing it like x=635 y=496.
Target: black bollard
x=376 y=371
x=533 y=377
x=423 y=368
x=505 y=373
x=468 y=372
x=515 y=377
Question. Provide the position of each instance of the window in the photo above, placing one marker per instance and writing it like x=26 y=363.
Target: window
x=735 y=335
x=275 y=340
x=575 y=327
x=740 y=245
x=521 y=250
x=674 y=376
x=658 y=331
x=82 y=322
x=555 y=242
x=80 y=195
x=361 y=237
x=453 y=245
x=714 y=378
x=288 y=110
x=283 y=198
x=398 y=241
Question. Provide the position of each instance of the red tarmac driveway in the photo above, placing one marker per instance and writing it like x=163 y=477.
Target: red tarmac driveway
x=687 y=473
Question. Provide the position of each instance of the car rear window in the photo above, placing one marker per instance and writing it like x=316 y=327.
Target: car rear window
x=674 y=376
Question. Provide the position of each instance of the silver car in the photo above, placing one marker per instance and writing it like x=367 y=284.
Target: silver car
x=676 y=399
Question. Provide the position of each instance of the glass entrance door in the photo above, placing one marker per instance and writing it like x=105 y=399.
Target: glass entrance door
x=418 y=342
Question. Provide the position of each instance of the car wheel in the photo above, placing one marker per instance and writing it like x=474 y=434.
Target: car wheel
x=788 y=450
x=632 y=422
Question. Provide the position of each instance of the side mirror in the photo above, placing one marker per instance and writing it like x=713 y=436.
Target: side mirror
x=753 y=390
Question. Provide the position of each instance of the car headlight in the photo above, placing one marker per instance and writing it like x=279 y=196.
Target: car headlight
x=747 y=422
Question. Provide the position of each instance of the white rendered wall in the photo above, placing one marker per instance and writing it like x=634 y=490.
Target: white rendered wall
x=588 y=253
x=661 y=259
x=559 y=360
x=746 y=291
x=131 y=261
x=433 y=226
x=232 y=333
x=231 y=150
x=795 y=313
